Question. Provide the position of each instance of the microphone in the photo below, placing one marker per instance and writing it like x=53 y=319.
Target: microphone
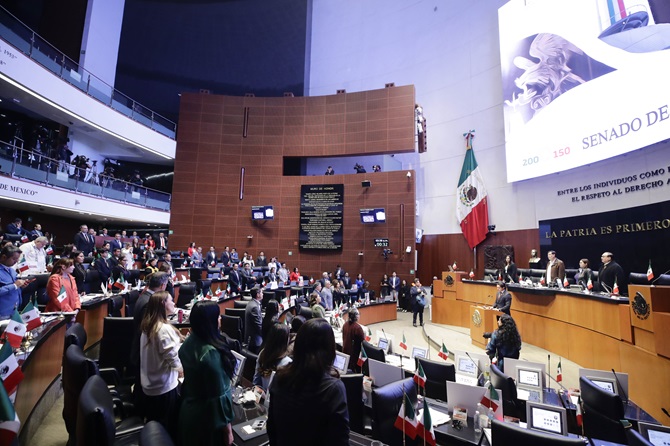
x=510 y=279
x=604 y=285
x=560 y=385
x=384 y=333
x=490 y=277
x=654 y=281
x=665 y=411
x=476 y=363
x=621 y=389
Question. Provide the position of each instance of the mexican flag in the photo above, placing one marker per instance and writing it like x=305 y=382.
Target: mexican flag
x=490 y=398
x=23 y=266
x=559 y=372
x=10 y=372
x=120 y=283
x=420 y=376
x=406 y=420
x=369 y=335
x=362 y=357
x=31 y=317
x=472 y=274
x=650 y=272
x=565 y=281
x=542 y=281
x=471 y=201
x=579 y=411
x=62 y=294
x=15 y=330
x=403 y=344
x=589 y=284
x=9 y=420
x=615 y=290
x=444 y=353
x=425 y=428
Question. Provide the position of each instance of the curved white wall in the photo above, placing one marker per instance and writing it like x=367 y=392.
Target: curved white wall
x=449 y=50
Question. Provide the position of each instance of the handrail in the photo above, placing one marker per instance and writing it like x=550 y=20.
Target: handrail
x=34 y=46
x=36 y=166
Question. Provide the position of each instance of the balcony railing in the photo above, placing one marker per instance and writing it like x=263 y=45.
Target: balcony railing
x=34 y=166
x=24 y=39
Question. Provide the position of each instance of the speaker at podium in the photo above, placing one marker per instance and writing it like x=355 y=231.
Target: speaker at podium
x=482 y=319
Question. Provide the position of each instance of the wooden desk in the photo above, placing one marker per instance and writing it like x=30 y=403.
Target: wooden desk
x=593 y=330
x=92 y=317
x=41 y=368
x=482 y=320
x=378 y=312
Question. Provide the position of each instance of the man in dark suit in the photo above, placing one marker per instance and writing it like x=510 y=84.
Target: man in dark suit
x=162 y=242
x=116 y=243
x=253 y=322
x=346 y=281
x=609 y=273
x=15 y=227
x=339 y=273
x=503 y=298
x=225 y=256
x=83 y=241
x=261 y=260
x=36 y=232
x=248 y=279
x=235 y=279
x=211 y=257
x=104 y=265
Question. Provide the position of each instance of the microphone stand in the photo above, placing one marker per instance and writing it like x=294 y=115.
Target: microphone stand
x=621 y=389
x=654 y=281
x=476 y=363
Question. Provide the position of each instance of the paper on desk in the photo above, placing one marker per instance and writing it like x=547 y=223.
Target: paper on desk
x=436 y=416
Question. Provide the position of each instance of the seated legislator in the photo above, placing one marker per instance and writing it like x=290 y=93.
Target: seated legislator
x=609 y=273
x=206 y=410
x=352 y=338
x=505 y=342
x=307 y=386
x=273 y=356
x=503 y=298
x=62 y=279
x=10 y=286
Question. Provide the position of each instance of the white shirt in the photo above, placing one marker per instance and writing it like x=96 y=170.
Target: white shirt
x=159 y=361
x=35 y=257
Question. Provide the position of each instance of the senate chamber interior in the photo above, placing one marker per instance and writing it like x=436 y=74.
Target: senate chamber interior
x=271 y=152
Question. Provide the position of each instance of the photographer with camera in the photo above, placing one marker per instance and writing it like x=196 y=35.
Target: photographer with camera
x=418 y=301
x=359 y=169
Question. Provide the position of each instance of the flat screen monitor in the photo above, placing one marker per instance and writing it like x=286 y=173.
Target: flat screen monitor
x=239 y=367
x=512 y=369
x=262 y=213
x=376 y=215
x=621 y=379
x=529 y=377
x=383 y=373
x=546 y=418
x=466 y=366
x=385 y=341
x=383 y=344
x=656 y=434
x=481 y=358
x=419 y=352
x=341 y=362
x=608 y=384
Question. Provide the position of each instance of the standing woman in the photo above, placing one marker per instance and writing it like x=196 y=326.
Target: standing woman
x=62 y=278
x=384 y=286
x=191 y=249
x=505 y=342
x=273 y=356
x=160 y=367
x=352 y=337
x=207 y=405
x=309 y=386
x=315 y=305
x=585 y=274
x=79 y=272
x=271 y=316
x=295 y=275
x=405 y=296
x=151 y=267
x=509 y=271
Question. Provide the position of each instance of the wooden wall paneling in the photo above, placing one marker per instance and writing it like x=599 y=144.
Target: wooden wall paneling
x=647 y=379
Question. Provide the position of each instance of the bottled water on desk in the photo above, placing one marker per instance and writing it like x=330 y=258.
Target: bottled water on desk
x=478 y=427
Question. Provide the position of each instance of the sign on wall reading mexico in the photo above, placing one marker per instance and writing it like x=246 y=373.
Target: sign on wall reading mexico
x=321 y=216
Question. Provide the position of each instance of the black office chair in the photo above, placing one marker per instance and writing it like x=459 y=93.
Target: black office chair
x=386 y=402
x=131 y=300
x=117 y=336
x=203 y=286
x=76 y=334
x=305 y=312
x=635 y=438
x=267 y=297
x=371 y=352
x=437 y=375
x=358 y=422
x=249 y=365
x=95 y=418
x=186 y=294
x=239 y=312
x=232 y=326
x=154 y=434
x=240 y=304
x=512 y=406
x=134 y=276
x=510 y=434
x=638 y=279
x=663 y=279
x=92 y=281
x=603 y=411
x=77 y=368
x=115 y=304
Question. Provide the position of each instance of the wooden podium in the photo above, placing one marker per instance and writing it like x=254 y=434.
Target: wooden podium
x=650 y=317
x=482 y=320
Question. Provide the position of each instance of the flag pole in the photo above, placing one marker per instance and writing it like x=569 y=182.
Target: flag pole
x=474 y=250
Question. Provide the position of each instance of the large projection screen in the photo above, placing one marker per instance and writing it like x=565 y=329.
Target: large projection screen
x=583 y=81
